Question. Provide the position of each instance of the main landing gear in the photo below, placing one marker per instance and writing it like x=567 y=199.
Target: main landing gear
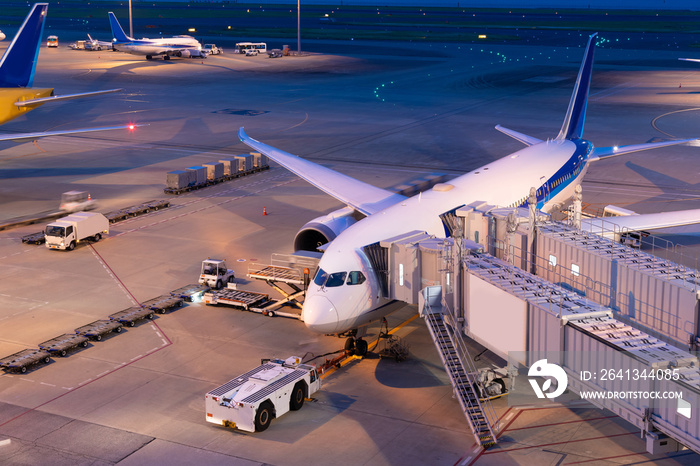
x=355 y=344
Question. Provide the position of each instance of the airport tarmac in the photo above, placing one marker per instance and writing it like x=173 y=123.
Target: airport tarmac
x=138 y=397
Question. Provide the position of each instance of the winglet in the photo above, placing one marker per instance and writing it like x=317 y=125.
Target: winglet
x=19 y=61
x=576 y=113
x=117 y=31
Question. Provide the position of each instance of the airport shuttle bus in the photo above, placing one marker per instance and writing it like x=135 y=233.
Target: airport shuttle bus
x=251 y=48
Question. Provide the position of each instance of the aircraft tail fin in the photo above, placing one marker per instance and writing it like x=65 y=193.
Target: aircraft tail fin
x=117 y=31
x=19 y=61
x=576 y=113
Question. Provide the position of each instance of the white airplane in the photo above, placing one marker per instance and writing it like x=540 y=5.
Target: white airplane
x=178 y=46
x=345 y=295
x=17 y=67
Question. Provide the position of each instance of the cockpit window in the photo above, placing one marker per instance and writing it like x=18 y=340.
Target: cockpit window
x=320 y=277
x=336 y=279
x=356 y=278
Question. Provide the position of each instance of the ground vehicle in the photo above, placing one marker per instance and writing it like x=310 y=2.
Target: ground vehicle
x=75 y=201
x=80 y=45
x=251 y=48
x=214 y=273
x=274 y=53
x=52 y=41
x=67 y=232
x=250 y=401
x=212 y=49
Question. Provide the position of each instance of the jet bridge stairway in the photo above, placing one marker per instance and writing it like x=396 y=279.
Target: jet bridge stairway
x=453 y=353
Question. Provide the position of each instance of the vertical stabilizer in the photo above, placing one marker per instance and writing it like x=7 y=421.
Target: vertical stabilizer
x=19 y=61
x=117 y=31
x=576 y=113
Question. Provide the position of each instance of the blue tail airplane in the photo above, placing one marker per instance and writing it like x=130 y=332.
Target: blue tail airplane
x=17 y=67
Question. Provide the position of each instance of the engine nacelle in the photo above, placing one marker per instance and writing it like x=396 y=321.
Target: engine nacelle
x=325 y=229
x=183 y=53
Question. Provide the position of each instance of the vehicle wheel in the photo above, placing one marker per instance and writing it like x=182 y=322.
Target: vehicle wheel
x=150 y=316
x=219 y=285
x=47 y=360
x=231 y=279
x=350 y=345
x=132 y=323
x=99 y=49
x=23 y=369
x=84 y=344
x=149 y=57
x=97 y=237
x=296 y=401
x=361 y=347
x=71 y=246
x=63 y=353
x=98 y=337
x=271 y=313
x=263 y=416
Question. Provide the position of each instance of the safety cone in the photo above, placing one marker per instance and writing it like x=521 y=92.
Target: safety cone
x=89 y=197
x=264 y=211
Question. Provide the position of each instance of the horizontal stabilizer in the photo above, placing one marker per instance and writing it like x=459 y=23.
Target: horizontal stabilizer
x=42 y=134
x=524 y=138
x=54 y=98
x=642 y=222
x=607 y=152
x=357 y=194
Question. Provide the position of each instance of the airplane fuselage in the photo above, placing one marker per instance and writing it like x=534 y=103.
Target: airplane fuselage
x=156 y=47
x=553 y=167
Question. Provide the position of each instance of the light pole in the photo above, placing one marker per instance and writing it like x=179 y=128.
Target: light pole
x=131 y=25
x=298 y=27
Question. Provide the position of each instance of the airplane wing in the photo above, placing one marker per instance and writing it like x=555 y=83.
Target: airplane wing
x=55 y=98
x=642 y=222
x=361 y=196
x=524 y=138
x=607 y=152
x=43 y=134
x=690 y=59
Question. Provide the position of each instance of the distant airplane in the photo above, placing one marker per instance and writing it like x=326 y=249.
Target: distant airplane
x=178 y=46
x=17 y=67
x=346 y=292
x=99 y=44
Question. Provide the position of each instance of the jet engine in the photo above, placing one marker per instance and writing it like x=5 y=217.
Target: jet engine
x=325 y=229
x=183 y=53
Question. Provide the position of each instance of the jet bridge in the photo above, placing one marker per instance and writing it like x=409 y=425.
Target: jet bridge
x=500 y=286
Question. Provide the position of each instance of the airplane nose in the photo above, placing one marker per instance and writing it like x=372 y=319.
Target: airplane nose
x=320 y=314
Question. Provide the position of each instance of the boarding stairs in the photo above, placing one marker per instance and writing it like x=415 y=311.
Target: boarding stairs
x=455 y=357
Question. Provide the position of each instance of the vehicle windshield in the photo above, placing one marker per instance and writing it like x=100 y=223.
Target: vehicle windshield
x=55 y=231
x=336 y=279
x=356 y=278
x=208 y=268
x=320 y=277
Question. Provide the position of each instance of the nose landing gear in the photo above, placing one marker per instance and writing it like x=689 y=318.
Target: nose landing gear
x=355 y=344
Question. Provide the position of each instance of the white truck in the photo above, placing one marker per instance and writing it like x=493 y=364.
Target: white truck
x=250 y=401
x=214 y=274
x=67 y=232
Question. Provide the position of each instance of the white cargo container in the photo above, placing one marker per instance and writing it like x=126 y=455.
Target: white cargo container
x=250 y=401
x=260 y=160
x=200 y=174
x=247 y=162
x=67 y=232
x=215 y=170
x=179 y=179
x=230 y=166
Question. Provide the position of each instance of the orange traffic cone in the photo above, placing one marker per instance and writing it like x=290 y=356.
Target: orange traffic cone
x=89 y=197
x=264 y=211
